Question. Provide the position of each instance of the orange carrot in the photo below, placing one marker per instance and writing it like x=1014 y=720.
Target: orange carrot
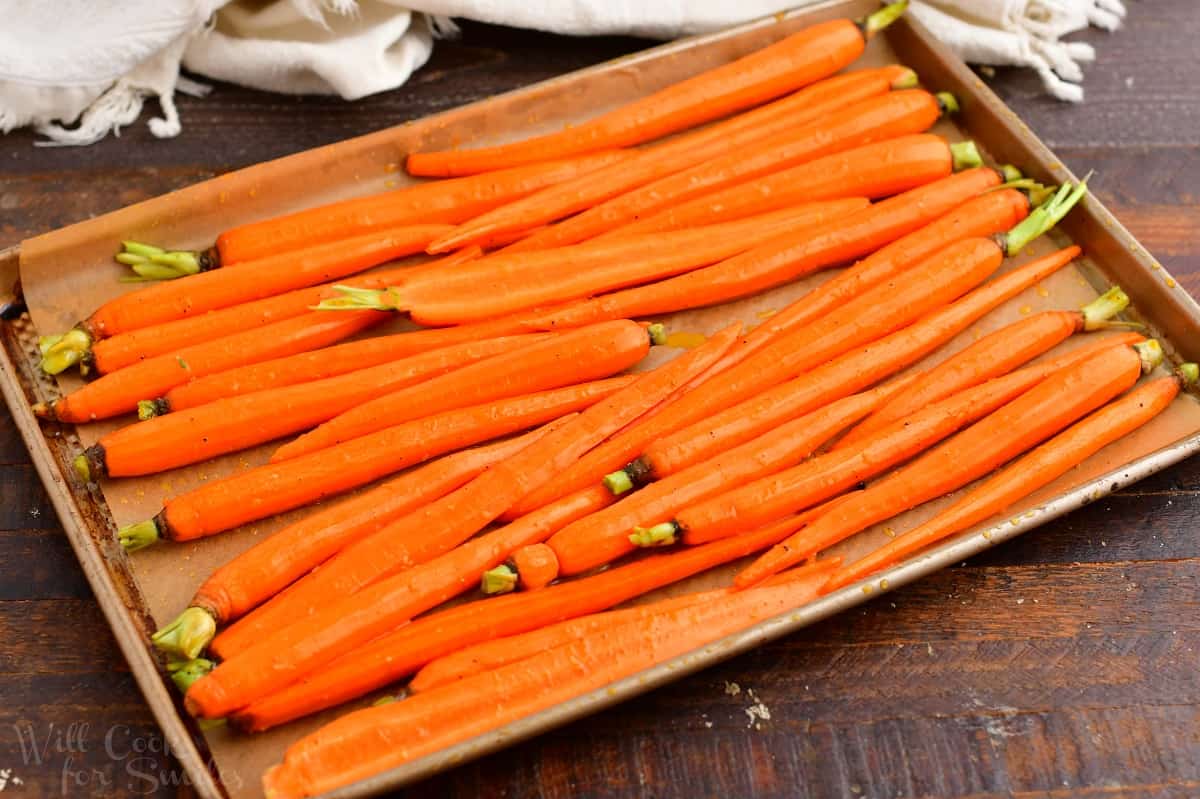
x=998 y=211
x=342 y=359
x=418 y=573
x=502 y=283
x=369 y=741
x=274 y=488
x=407 y=541
x=607 y=535
x=740 y=157
x=872 y=170
x=892 y=115
x=407 y=648
x=849 y=373
x=571 y=357
x=1023 y=423
x=124 y=349
x=775 y=70
x=121 y=391
x=993 y=355
x=785 y=258
x=167 y=441
x=1024 y=476
x=354 y=620
x=443 y=201
x=269 y=566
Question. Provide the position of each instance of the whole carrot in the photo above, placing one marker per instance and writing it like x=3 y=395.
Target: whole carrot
x=1029 y=473
x=416 y=574
x=407 y=648
x=103 y=356
x=895 y=114
x=785 y=258
x=372 y=740
x=849 y=373
x=739 y=157
x=873 y=170
x=995 y=354
x=120 y=392
x=799 y=487
x=571 y=357
x=352 y=621
x=164 y=442
x=408 y=541
x=608 y=534
x=1001 y=209
x=777 y=69
x=439 y=202
x=209 y=291
x=503 y=283
x=329 y=362
x=272 y=564
x=274 y=488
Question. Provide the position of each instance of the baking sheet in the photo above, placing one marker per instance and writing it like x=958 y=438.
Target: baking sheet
x=68 y=273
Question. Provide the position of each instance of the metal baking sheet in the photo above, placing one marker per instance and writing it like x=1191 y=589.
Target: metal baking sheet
x=66 y=273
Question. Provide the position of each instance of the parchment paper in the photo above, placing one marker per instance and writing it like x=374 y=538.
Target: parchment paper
x=68 y=273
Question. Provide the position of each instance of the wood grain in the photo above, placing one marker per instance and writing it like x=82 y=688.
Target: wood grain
x=1061 y=664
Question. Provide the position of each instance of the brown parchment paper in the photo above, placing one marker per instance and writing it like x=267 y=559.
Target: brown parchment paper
x=68 y=273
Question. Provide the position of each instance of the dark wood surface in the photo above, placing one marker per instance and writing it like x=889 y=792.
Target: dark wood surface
x=1063 y=664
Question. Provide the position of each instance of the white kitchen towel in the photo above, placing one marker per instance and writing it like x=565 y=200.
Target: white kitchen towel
x=77 y=70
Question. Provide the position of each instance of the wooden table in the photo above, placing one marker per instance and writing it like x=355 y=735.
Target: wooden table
x=1064 y=664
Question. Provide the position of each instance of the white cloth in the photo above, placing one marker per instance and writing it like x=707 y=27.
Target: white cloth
x=79 y=69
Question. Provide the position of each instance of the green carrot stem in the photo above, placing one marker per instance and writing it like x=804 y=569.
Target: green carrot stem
x=188 y=635
x=139 y=535
x=882 y=18
x=660 y=535
x=500 y=580
x=965 y=155
x=948 y=103
x=1098 y=312
x=184 y=673
x=65 y=351
x=1151 y=353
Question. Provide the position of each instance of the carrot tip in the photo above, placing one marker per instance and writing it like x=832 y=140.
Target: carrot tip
x=185 y=672
x=138 y=536
x=500 y=580
x=188 y=635
x=60 y=353
x=660 y=535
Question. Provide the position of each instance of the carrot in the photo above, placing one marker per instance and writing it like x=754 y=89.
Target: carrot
x=529 y=568
x=775 y=70
x=405 y=649
x=107 y=355
x=1024 y=476
x=503 y=283
x=167 y=441
x=842 y=376
x=993 y=355
x=408 y=542
x=606 y=535
x=1001 y=209
x=272 y=564
x=309 y=367
x=352 y=621
x=121 y=391
x=415 y=573
x=274 y=488
x=437 y=202
x=786 y=257
x=265 y=277
x=574 y=356
x=873 y=170
x=374 y=739
x=899 y=113
x=489 y=655
x=738 y=156
x=1026 y=421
